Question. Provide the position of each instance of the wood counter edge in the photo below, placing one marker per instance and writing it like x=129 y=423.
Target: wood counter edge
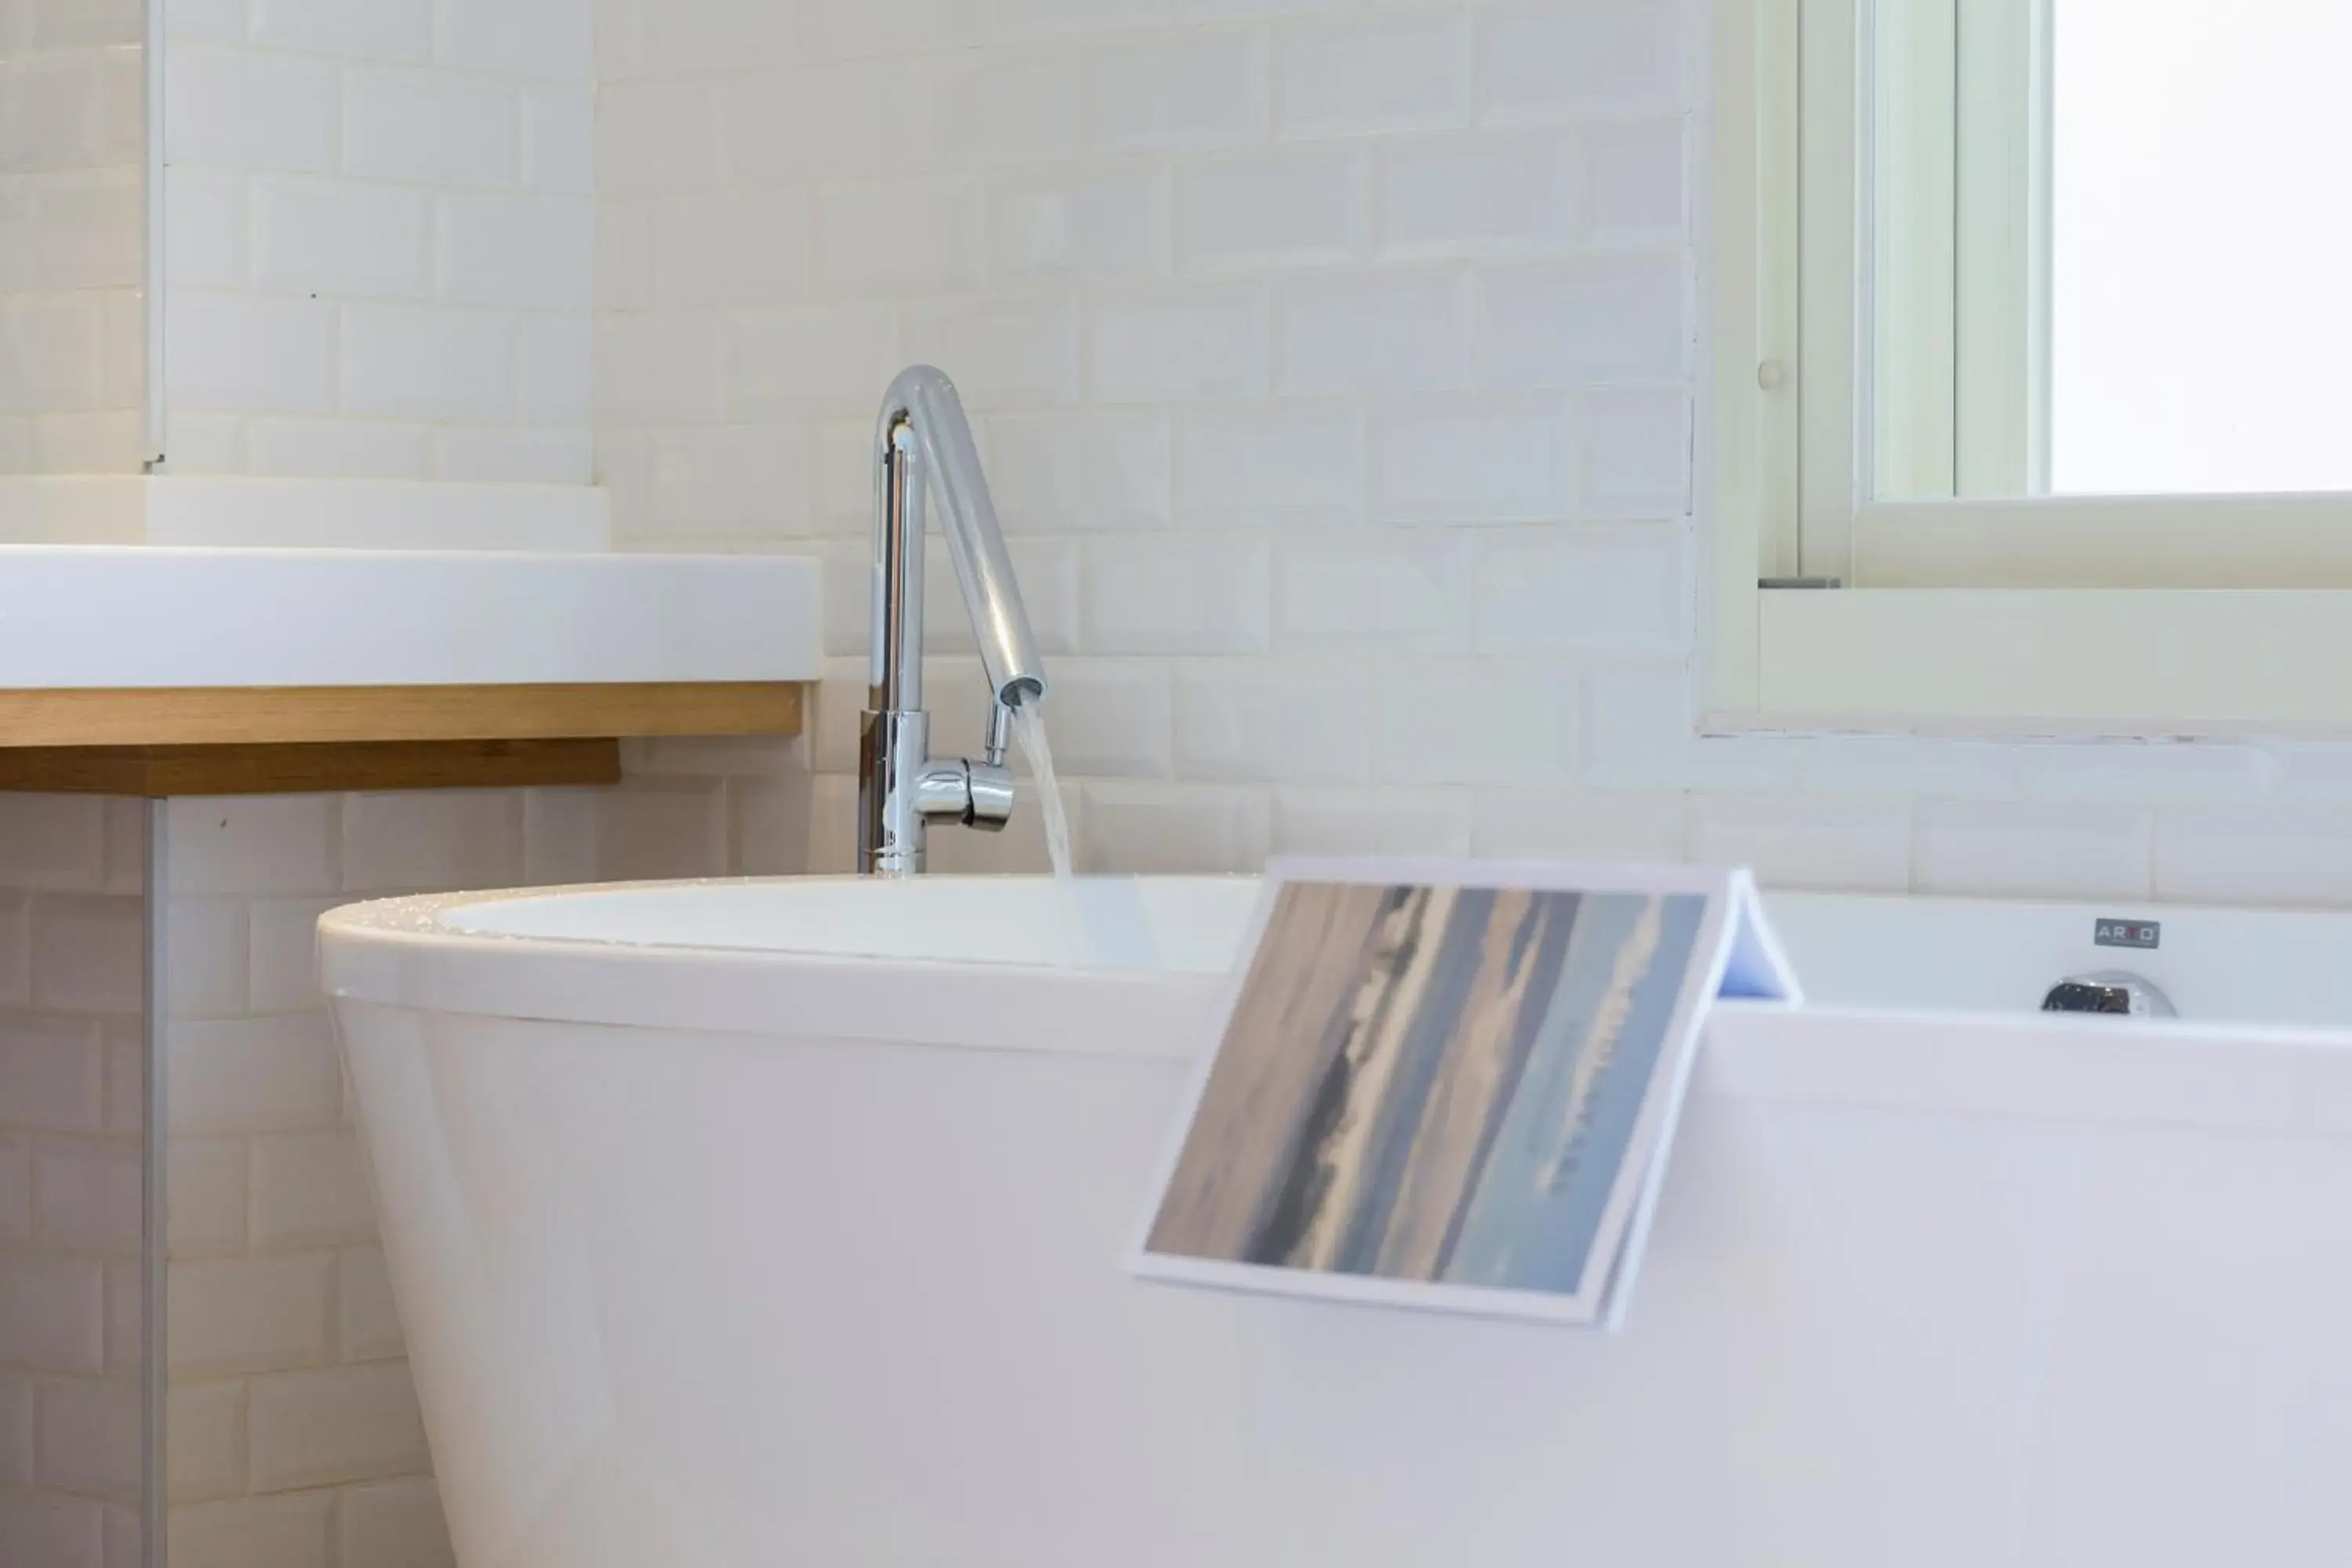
x=317 y=740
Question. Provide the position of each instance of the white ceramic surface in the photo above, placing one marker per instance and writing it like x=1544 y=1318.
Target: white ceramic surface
x=136 y=615
x=1969 y=955
x=719 y=1242
x=2243 y=966
x=227 y=581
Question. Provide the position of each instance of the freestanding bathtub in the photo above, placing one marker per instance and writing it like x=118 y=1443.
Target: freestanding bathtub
x=738 y=1226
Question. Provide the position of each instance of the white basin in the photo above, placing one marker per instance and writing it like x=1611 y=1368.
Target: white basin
x=756 y=1223
x=272 y=582
x=355 y=617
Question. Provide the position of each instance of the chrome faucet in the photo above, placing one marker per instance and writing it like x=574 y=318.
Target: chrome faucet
x=924 y=447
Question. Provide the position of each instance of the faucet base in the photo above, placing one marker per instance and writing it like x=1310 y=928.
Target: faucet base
x=893 y=749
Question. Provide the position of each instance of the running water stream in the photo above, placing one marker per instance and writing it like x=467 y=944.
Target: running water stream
x=1029 y=732
x=1029 y=729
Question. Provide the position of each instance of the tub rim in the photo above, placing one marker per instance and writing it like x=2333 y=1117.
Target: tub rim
x=397 y=952
x=392 y=955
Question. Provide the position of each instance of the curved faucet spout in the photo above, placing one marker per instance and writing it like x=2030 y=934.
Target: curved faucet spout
x=924 y=450
x=924 y=402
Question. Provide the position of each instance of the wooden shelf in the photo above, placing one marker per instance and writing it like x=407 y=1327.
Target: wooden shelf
x=314 y=715
x=314 y=740
x=158 y=771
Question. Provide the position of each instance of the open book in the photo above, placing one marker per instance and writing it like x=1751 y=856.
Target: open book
x=1453 y=1085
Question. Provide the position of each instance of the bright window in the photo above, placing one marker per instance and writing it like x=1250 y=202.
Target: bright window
x=2030 y=326
x=2201 y=311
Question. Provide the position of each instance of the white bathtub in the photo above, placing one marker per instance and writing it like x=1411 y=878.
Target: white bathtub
x=756 y=1224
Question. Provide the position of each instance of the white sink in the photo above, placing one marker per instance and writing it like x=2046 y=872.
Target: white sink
x=138 y=583
x=82 y=616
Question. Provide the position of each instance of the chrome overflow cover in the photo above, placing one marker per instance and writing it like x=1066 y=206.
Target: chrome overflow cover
x=2111 y=991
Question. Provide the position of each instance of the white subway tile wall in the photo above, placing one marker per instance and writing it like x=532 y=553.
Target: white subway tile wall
x=1332 y=364
x=1336 y=364
x=379 y=242
x=293 y=1433
x=72 y=1185
x=72 y=237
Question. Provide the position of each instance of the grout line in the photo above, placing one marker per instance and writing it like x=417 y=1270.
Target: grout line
x=156 y=1267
